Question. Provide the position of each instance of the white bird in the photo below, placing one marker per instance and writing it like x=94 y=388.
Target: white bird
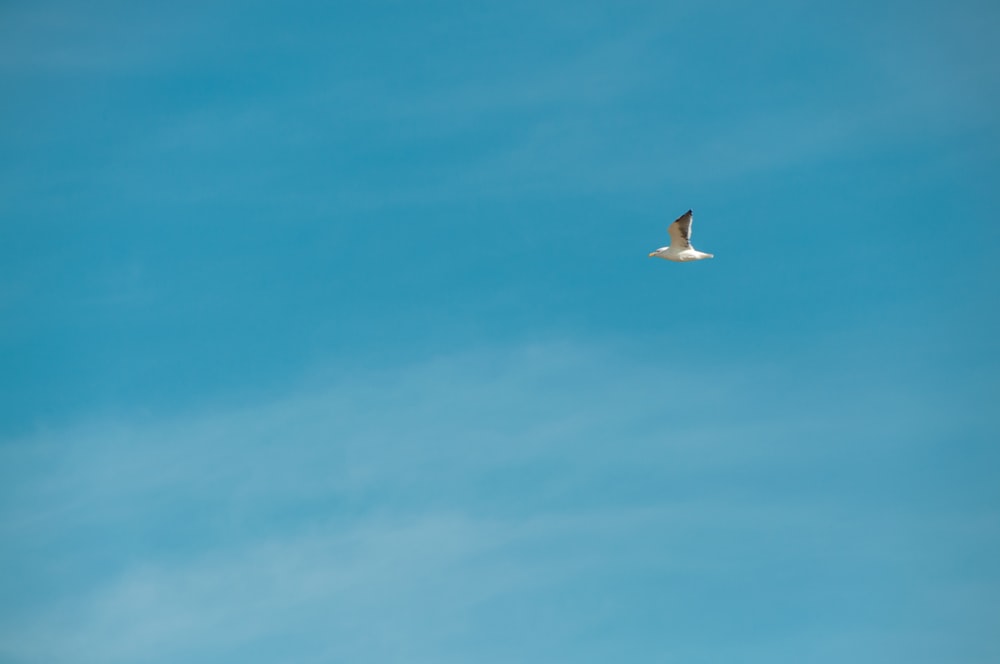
x=680 y=249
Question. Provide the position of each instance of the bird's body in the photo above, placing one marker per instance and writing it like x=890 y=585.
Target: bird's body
x=680 y=249
x=680 y=255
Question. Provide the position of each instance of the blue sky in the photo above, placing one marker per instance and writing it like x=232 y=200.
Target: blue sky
x=328 y=332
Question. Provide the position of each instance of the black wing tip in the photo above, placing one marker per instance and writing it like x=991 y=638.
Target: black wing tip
x=687 y=214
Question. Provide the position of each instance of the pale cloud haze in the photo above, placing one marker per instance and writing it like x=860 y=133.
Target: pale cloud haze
x=327 y=333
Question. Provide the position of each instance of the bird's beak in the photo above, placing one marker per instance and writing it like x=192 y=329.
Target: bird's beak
x=652 y=253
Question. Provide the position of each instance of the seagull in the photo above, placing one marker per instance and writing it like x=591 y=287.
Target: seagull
x=680 y=249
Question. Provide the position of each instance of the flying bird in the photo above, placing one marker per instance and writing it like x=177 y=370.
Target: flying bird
x=680 y=249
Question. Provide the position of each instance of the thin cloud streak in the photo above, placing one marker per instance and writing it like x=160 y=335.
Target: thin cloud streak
x=421 y=501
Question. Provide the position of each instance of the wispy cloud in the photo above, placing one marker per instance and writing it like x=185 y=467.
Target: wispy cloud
x=106 y=39
x=551 y=501
x=390 y=515
x=619 y=110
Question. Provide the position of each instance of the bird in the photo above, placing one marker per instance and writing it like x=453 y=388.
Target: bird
x=680 y=249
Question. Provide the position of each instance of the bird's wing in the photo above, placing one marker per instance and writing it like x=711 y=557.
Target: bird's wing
x=680 y=231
